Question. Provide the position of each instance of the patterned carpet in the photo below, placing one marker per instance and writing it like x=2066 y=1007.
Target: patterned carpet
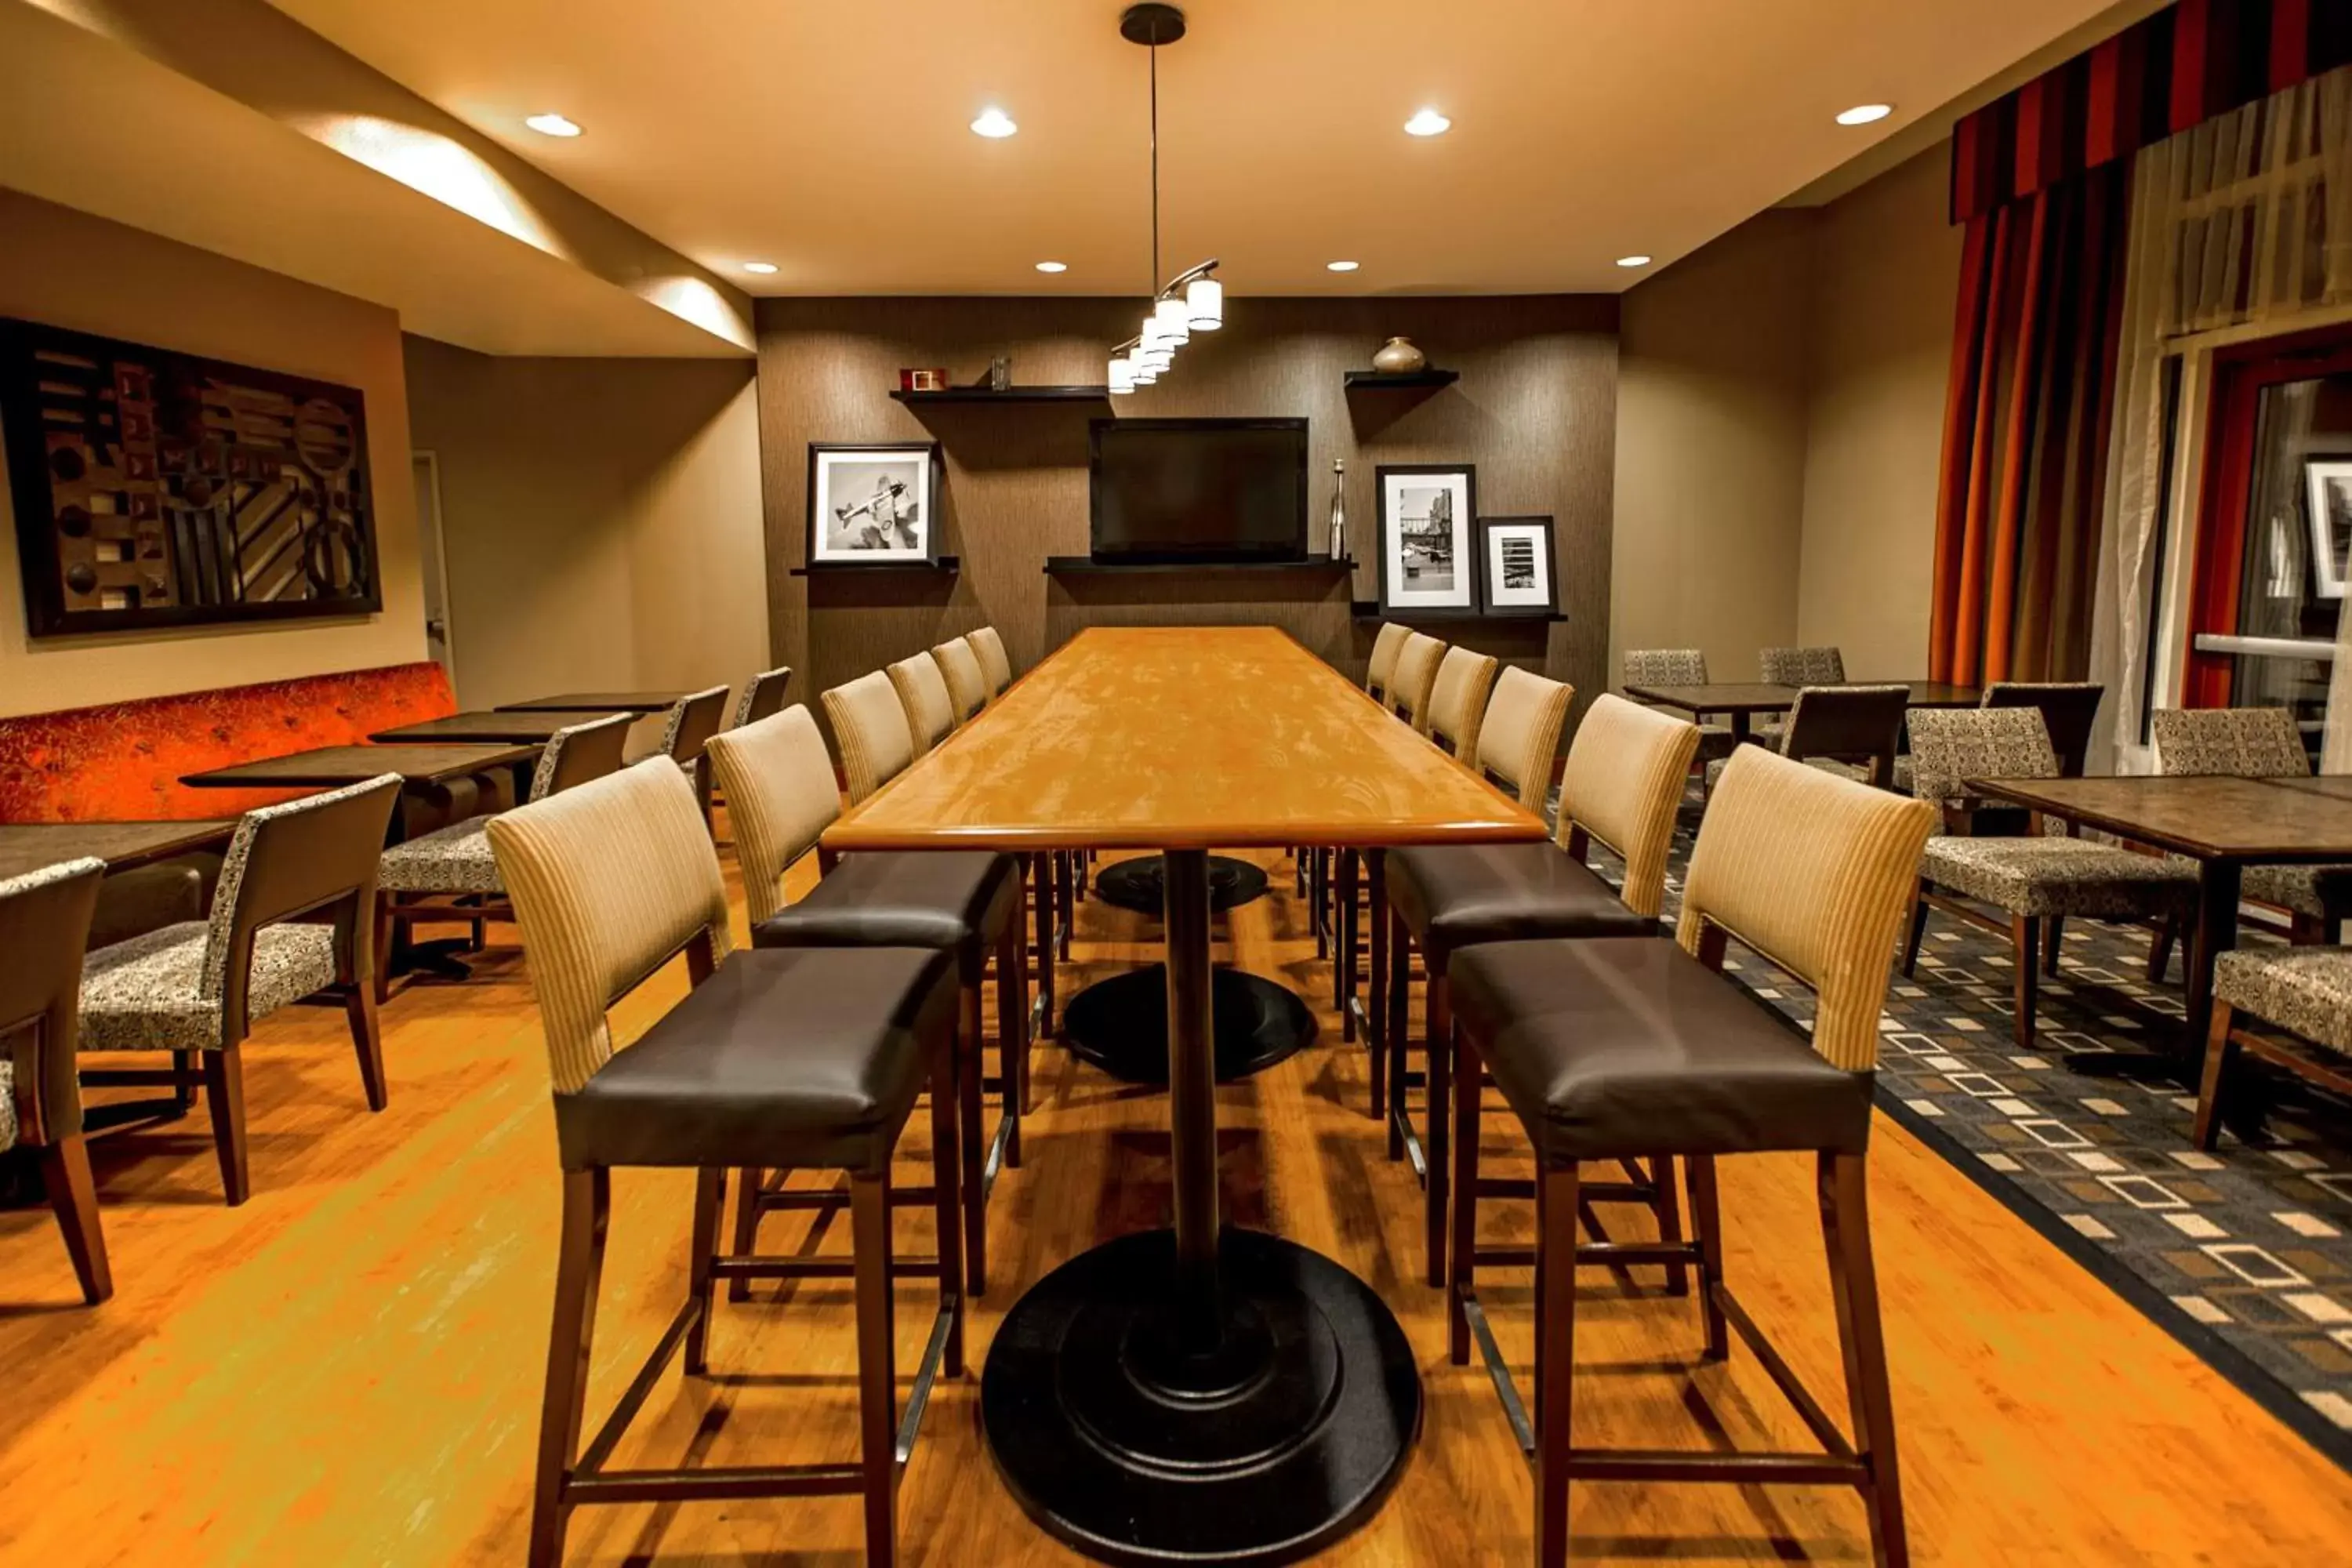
x=2245 y=1254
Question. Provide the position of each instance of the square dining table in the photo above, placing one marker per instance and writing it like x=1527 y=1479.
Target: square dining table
x=27 y=847
x=1742 y=700
x=1193 y=1393
x=603 y=702
x=525 y=726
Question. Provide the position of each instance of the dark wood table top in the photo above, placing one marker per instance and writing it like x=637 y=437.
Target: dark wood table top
x=328 y=767
x=2209 y=818
x=1770 y=697
x=606 y=701
x=29 y=845
x=534 y=726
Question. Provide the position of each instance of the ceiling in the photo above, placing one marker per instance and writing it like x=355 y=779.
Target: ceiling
x=831 y=138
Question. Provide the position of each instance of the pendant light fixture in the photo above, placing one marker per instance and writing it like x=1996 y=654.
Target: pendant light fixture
x=1191 y=302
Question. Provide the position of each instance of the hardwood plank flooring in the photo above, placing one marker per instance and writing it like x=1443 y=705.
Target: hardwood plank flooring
x=347 y=1369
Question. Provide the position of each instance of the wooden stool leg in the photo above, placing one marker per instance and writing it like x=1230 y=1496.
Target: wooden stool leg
x=1706 y=1228
x=579 y=1264
x=2220 y=1049
x=1399 y=1058
x=2024 y=933
x=966 y=1088
x=748 y=1183
x=1343 y=967
x=1319 y=880
x=225 y=1098
x=709 y=1195
x=1065 y=897
x=1041 y=884
x=367 y=1040
x=1844 y=1186
x=1462 y=1260
x=1376 y=900
x=73 y=1198
x=1439 y=1050
x=1669 y=1207
x=947 y=1180
x=1555 y=1357
x=379 y=937
x=1012 y=1037
x=1391 y=1049
x=877 y=1373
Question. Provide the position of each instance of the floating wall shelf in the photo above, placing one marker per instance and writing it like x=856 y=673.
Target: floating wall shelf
x=1088 y=566
x=1010 y=395
x=946 y=565
x=1377 y=380
x=1369 y=610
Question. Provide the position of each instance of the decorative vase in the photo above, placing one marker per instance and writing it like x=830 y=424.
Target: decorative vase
x=1399 y=357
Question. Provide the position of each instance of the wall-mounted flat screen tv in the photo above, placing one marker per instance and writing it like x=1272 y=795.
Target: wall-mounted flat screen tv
x=1198 y=489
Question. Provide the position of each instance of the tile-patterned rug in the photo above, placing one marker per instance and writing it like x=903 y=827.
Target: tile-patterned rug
x=2244 y=1255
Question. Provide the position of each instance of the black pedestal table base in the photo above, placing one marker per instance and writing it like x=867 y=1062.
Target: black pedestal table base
x=1142 y=884
x=1133 y=1445
x=1120 y=1025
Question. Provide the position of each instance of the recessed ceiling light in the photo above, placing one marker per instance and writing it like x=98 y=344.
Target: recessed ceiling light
x=552 y=125
x=1633 y=261
x=1866 y=113
x=1341 y=266
x=1052 y=267
x=1428 y=122
x=993 y=123
x=762 y=268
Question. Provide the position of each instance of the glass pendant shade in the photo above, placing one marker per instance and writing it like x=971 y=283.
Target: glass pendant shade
x=1158 y=356
x=1122 y=377
x=1175 y=319
x=1144 y=375
x=1204 y=304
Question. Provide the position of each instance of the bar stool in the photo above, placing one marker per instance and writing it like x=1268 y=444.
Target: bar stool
x=1622 y=786
x=1387 y=643
x=967 y=682
x=989 y=648
x=923 y=693
x=1625 y=1047
x=1414 y=678
x=44 y=919
x=869 y=724
x=773 y=1057
x=963 y=902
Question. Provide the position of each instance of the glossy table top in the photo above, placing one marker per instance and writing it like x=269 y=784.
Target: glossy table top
x=330 y=767
x=29 y=845
x=601 y=701
x=1228 y=737
x=533 y=725
x=2211 y=818
x=1770 y=697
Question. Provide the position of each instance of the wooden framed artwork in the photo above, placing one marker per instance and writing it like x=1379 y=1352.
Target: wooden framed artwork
x=154 y=488
x=2328 y=503
x=1515 y=567
x=1426 y=565
x=874 y=505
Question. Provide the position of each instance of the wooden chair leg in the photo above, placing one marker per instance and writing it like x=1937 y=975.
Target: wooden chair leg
x=1707 y=1229
x=966 y=1088
x=188 y=1067
x=1042 y=882
x=367 y=1040
x=1462 y=1257
x=1854 y=1279
x=1555 y=1357
x=2054 y=935
x=1391 y=1046
x=1440 y=1051
x=1399 y=1042
x=73 y=1197
x=2159 y=949
x=1918 y=933
x=710 y=1196
x=1012 y=1037
x=878 y=1376
x=749 y=1181
x=2221 y=1050
x=580 y=1266
x=1669 y=1208
x=1066 y=896
x=1343 y=967
x=1376 y=916
x=947 y=1187
x=2024 y=932
x=1319 y=882
x=380 y=938
x=225 y=1098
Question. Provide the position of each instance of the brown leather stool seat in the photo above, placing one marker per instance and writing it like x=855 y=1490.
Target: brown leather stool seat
x=951 y=900
x=793 y=1058
x=1458 y=895
x=1614 y=1048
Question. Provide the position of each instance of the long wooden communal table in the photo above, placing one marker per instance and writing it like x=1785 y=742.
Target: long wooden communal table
x=1195 y=1393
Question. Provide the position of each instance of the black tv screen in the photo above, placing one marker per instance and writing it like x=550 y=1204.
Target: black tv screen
x=1199 y=489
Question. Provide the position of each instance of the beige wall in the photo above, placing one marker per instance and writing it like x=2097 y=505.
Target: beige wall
x=601 y=519
x=69 y=269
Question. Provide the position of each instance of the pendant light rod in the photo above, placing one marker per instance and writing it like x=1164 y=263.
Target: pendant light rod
x=1155 y=163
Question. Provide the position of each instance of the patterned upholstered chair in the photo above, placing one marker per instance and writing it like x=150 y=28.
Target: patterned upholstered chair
x=2068 y=708
x=2034 y=881
x=763 y=695
x=1679 y=667
x=194 y=989
x=1414 y=678
x=1458 y=700
x=1796 y=666
x=1632 y=1047
x=813 y=1060
x=1622 y=786
x=691 y=720
x=1850 y=731
x=1387 y=643
x=449 y=874
x=2307 y=990
x=989 y=648
x=923 y=693
x=2255 y=744
x=967 y=682
x=44 y=919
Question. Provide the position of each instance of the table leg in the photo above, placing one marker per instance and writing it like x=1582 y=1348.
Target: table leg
x=1739 y=726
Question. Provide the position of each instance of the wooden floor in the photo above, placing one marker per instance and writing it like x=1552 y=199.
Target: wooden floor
x=347 y=1369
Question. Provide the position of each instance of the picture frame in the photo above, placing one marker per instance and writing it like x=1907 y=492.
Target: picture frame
x=873 y=504
x=2327 y=505
x=1517 y=574
x=1428 y=538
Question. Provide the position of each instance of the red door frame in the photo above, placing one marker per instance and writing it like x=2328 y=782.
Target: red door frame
x=2240 y=373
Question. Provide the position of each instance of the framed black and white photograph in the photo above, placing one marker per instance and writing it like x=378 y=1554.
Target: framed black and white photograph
x=873 y=506
x=1515 y=568
x=1427 y=565
x=2328 y=481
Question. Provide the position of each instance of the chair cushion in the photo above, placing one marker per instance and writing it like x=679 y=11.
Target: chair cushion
x=7 y=1102
x=955 y=899
x=452 y=859
x=793 y=1058
x=2315 y=891
x=2306 y=989
x=145 y=994
x=2045 y=876
x=1456 y=895
x=1629 y=1045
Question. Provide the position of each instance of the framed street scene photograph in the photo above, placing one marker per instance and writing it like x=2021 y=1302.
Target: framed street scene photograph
x=1515 y=570
x=2329 y=482
x=1426 y=537
x=874 y=505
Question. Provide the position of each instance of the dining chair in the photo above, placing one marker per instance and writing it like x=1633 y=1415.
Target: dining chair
x=2253 y=743
x=1795 y=667
x=1414 y=678
x=1387 y=643
x=923 y=693
x=1520 y=735
x=691 y=720
x=2069 y=709
x=967 y=682
x=989 y=647
x=808 y=1059
x=1851 y=730
x=2305 y=990
x=2036 y=881
x=1617 y=1049
x=44 y=919
x=763 y=695
x=1679 y=667
x=195 y=988
x=1458 y=700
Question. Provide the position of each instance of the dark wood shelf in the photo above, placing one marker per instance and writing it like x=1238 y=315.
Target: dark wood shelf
x=1369 y=610
x=946 y=565
x=1088 y=566
x=1010 y=395
x=1381 y=380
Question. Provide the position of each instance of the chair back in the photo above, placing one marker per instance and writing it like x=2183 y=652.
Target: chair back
x=1951 y=745
x=1802 y=666
x=1414 y=678
x=1849 y=724
x=761 y=696
x=1457 y=700
x=609 y=881
x=1387 y=643
x=869 y=725
x=2240 y=742
x=2069 y=708
x=1816 y=873
x=780 y=796
x=1665 y=667
x=578 y=753
x=693 y=720
x=307 y=854
x=967 y=682
x=989 y=649
x=44 y=923
x=923 y=694
x=1520 y=733
x=1623 y=785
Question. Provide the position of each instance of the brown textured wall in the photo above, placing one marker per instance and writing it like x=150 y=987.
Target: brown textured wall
x=1535 y=410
